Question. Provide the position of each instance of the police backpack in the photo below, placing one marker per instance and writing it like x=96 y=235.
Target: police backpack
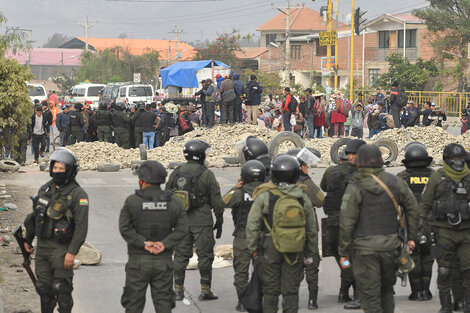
x=187 y=189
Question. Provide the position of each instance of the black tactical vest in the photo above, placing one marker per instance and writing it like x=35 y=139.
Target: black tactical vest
x=240 y=214
x=418 y=180
x=454 y=200
x=336 y=187
x=378 y=215
x=118 y=120
x=75 y=118
x=154 y=216
x=103 y=118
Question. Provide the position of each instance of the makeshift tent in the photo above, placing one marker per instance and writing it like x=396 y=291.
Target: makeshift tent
x=183 y=74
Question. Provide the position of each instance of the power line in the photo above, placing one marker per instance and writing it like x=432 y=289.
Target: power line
x=172 y=1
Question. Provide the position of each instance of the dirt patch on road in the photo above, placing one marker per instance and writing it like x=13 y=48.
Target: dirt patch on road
x=18 y=291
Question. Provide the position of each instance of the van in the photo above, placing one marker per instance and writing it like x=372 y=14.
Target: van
x=87 y=94
x=36 y=91
x=134 y=93
x=110 y=93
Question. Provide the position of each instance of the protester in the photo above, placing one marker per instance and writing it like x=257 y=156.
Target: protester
x=357 y=122
x=287 y=108
x=253 y=92
x=40 y=129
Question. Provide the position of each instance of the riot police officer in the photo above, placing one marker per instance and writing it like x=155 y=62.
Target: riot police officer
x=334 y=183
x=369 y=229
x=447 y=198
x=76 y=124
x=305 y=158
x=204 y=196
x=240 y=200
x=104 y=119
x=282 y=259
x=138 y=126
x=256 y=149
x=152 y=222
x=416 y=175
x=122 y=124
x=60 y=222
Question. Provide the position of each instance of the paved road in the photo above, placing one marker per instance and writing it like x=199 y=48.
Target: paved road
x=99 y=288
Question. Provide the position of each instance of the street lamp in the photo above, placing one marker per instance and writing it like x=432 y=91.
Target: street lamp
x=272 y=44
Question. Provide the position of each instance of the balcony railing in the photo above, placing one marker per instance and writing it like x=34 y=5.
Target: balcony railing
x=381 y=54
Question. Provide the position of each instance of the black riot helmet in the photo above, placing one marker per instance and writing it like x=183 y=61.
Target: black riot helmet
x=152 y=172
x=416 y=155
x=369 y=156
x=121 y=106
x=253 y=171
x=285 y=169
x=195 y=150
x=354 y=145
x=67 y=157
x=454 y=156
x=467 y=159
x=254 y=147
x=103 y=105
x=78 y=106
x=141 y=106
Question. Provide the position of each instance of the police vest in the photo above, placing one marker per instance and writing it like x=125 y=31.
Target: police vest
x=336 y=188
x=118 y=120
x=418 y=180
x=154 y=216
x=377 y=214
x=455 y=200
x=103 y=118
x=240 y=214
x=75 y=119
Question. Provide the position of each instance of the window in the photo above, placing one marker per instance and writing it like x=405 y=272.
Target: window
x=93 y=91
x=122 y=92
x=322 y=50
x=295 y=52
x=270 y=38
x=140 y=91
x=410 y=38
x=373 y=76
x=36 y=91
x=78 y=92
x=384 y=39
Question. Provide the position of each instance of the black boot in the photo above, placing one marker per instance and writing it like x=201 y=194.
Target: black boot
x=240 y=307
x=312 y=297
x=467 y=304
x=446 y=303
x=416 y=288
x=207 y=294
x=343 y=296
x=48 y=304
x=427 y=295
x=179 y=292
x=355 y=304
x=416 y=296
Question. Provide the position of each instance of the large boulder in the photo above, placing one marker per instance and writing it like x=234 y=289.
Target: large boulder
x=89 y=255
x=224 y=251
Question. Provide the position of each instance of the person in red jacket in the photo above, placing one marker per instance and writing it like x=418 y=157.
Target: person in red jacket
x=319 y=121
x=338 y=119
x=286 y=113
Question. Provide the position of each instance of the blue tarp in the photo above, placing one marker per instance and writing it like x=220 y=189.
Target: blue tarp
x=183 y=74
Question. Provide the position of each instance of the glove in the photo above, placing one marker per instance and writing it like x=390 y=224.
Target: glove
x=218 y=226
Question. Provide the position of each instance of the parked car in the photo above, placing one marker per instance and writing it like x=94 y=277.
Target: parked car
x=133 y=93
x=87 y=94
x=36 y=91
x=110 y=92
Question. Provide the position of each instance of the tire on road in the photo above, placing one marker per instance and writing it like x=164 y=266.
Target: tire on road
x=143 y=151
x=276 y=141
x=231 y=159
x=111 y=167
x=335 y=147
x=56 y=143
x=391 y=146
x=9 y=165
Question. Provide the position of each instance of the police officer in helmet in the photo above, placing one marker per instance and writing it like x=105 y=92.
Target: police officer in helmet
x=240 y=200
x=282 y=261
x=104 y=119
x=60 y=222
x=204 y=196
x=447 y=198
x=256 y=149
x=122 y=125
x=416 y=175
x=152 y=222
x=305 y=158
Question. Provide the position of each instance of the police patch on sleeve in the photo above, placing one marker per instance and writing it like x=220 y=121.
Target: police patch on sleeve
x=83 y=201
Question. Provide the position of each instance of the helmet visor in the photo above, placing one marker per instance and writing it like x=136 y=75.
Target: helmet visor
x=307 y=157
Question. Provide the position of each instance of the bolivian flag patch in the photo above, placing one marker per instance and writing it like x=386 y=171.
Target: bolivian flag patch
x=83 y=201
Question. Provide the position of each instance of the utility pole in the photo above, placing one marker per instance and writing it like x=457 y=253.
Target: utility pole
x=328 y=48
x=336 y=45
x=86 y=27
x=351 y=77
x=288 y=44
x=176 y=31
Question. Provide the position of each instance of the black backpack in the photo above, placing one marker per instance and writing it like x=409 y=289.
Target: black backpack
x=247 y=92
x=170 y=120
x=402 y=98
x=188 y=182
x=293 y=104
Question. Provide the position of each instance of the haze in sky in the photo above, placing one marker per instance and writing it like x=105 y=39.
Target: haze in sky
x=155 y=20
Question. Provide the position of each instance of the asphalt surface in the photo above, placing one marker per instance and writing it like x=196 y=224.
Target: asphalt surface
x=99 y=288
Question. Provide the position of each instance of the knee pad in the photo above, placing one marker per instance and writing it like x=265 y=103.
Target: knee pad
x=42 y=288
x=444 y=273
x=61 y=287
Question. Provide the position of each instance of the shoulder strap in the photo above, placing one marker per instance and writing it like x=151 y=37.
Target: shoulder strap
x=390 y=194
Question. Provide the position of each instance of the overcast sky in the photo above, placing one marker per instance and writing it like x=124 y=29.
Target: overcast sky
x=154 y=20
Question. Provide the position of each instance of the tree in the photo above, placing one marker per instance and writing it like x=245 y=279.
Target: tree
x=122 y=35
x=449 y=25
x=222 y=49
x=15 y=104
x=56 y=40
x=271 y=82
x=410 y=76
x=64 y=82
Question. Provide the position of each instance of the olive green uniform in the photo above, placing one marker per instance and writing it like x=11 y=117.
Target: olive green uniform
x=144 y=268
x=104 y=119
x=317 y=198
x=138 y=128
x=453 y=241
x=201 y=234
x=371 y=239
x=122 y=124
x=75 y=127
x=334 y=183
x=53 y=278
x=23 y=138
x=277 y=275
x=420 y=277
x=240 y=200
